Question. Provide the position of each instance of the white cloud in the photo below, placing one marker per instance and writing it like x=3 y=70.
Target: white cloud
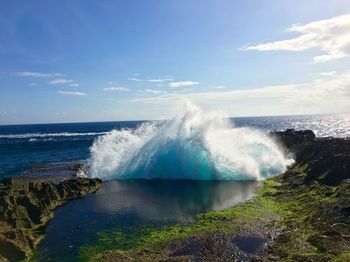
x=135 y=79
x=71 y=93
x=38 y=74
x=60 y=81
x=116 y=88
x=33 y=74
x=155 y=80
x=322 y=95
x=183 y=83
x=161 y=80
x=331 y=73
x=58 y=78
x=154 y=91
x=331 y=36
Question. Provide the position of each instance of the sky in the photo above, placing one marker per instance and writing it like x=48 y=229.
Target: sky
x=84 y=60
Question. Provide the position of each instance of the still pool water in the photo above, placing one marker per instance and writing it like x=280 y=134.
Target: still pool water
x=124 y=205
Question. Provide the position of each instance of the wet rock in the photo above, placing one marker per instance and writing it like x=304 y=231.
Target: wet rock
x=291 y=138
x=216 y=246
x=27 y=206
x=327 y=159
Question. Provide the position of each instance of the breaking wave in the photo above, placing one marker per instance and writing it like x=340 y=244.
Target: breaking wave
x=194 y=145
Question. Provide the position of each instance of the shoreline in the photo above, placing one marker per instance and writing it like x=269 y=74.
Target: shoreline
x=300 y=215
x=27 y=205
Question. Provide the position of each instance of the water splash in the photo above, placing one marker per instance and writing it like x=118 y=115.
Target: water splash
x=193 y=145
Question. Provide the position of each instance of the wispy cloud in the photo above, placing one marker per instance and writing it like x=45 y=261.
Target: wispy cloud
x=331 y=36
x=33 y=74
x=72 y=93
x=37 y=74
x=135 y=79
x=160 y=80
x=60 y=81
x=57 y=78
x=331 y=73
x=154 y=91
x=183 y=83
x=318 y=96
x=116 y=88
x=152 y=80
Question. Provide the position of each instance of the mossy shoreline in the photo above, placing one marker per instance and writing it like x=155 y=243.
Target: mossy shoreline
x=288 y=214
x=302 y=215
x=148 y=243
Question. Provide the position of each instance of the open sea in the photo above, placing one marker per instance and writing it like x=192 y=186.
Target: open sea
x=125 y=204
x=24 y=145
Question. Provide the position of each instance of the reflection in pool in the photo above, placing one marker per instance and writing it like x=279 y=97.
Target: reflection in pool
x=126 y=204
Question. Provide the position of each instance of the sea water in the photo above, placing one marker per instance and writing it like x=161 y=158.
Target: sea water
x=209 y=152
x=24 y=145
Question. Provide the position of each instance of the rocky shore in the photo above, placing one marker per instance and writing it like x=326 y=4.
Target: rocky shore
x=27 y=204
x=301 y=215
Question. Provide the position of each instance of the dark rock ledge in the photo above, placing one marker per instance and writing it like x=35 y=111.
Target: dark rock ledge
x=27 y=204
x=327 y=158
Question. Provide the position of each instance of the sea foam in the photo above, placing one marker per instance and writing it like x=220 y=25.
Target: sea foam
x=193 y=145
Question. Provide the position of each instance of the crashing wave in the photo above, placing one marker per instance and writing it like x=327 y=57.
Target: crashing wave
x=193 y=145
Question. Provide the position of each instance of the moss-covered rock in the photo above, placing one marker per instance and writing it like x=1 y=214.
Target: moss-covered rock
x=27 y=206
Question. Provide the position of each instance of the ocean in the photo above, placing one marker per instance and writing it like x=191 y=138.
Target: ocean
x=126 y=204
x=22 y=146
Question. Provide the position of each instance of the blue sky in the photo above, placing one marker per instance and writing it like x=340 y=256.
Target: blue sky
x=72 y=61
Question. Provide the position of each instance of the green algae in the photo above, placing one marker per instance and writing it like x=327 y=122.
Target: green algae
x=306 y=216
x=262 y=207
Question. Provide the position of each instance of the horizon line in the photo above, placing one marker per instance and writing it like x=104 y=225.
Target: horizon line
x=146 y=120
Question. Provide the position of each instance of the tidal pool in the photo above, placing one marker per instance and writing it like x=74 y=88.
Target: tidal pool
x=128 y=204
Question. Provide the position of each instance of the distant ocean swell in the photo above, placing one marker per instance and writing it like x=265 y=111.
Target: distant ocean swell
x=39 y=135
x=193 y=145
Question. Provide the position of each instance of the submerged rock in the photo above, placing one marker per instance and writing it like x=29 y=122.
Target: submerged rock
x=27 y=206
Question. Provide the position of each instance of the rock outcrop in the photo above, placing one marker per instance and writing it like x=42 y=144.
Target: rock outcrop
x=327 y=159
x=27 y=206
